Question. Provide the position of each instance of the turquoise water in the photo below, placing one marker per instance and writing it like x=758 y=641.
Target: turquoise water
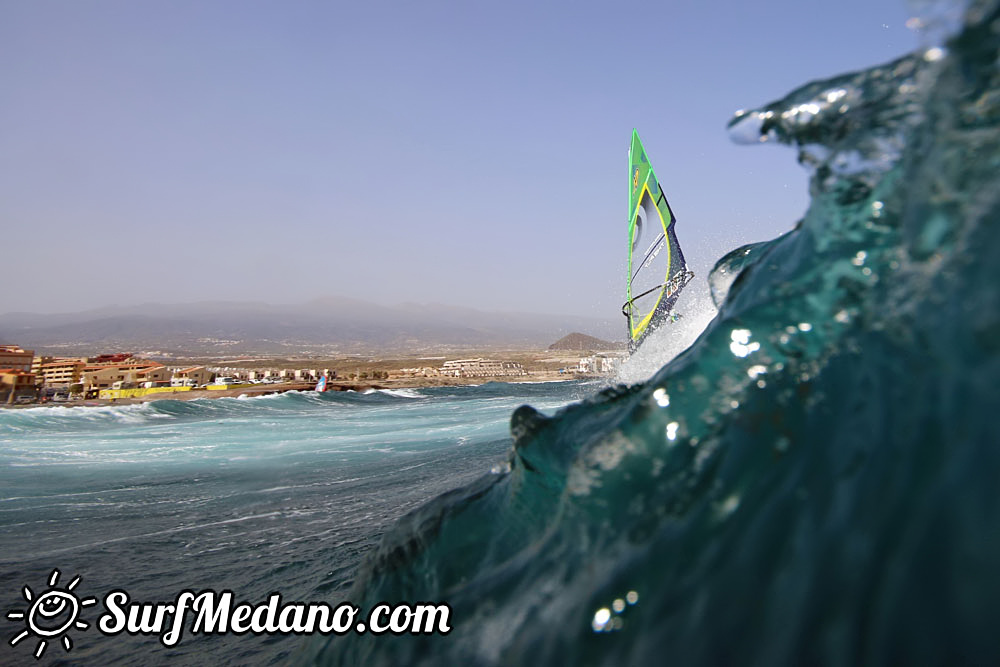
x=814 y=480
x=281 y=493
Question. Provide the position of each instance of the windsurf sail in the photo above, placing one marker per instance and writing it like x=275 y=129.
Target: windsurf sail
x=657 y=271
x=321 y=385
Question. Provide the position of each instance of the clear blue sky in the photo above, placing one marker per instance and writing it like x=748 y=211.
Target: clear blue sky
x=469 y=153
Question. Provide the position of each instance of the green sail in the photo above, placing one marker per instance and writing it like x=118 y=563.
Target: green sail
x=656 y=268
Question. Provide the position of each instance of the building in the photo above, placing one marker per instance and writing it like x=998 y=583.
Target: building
x=59 y=371
x=467 y=368
x=118 y=358
x=102 y=376
x=14 y=358
x=16 y=383
x=159 y=374
x=600 y=363
x=196 y=375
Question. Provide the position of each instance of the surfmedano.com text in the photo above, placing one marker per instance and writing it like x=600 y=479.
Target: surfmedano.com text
x=216 y=613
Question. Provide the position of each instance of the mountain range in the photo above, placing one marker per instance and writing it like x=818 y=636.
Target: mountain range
x=245 y=327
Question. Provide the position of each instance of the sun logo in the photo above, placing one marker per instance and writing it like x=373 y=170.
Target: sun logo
x=51 y=614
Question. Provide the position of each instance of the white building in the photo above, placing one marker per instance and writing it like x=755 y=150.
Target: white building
x=599 y=363
x=482 y=368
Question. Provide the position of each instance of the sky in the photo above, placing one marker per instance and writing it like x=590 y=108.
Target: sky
x=468 y=153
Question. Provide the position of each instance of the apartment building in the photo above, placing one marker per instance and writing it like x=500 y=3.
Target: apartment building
x=102 y=376
x=14 y=358
x=198 y=375
x=59 y=371
x=14 y=383
x=158 y=373
x=481 y=368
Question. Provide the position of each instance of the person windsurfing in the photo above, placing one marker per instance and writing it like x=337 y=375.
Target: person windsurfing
x=657 y=271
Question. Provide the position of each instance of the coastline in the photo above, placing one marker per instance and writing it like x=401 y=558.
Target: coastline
x=334 y=385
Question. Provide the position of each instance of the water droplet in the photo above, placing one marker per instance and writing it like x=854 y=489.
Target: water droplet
x=601 y=618
x=729 y=505
x=661 y=397
x=834 y=95
x=934 y=54
x=741 y=345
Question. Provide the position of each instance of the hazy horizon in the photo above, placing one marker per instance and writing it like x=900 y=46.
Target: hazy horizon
x=288 y=304
x=309 y=326
x=471 y=155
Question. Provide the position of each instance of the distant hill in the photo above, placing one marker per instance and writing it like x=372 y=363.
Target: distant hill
x=579 y=341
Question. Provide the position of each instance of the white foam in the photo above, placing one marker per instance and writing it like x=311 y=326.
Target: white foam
x=127 y=414
x=541 y=381
x=402 y=393
x=665 y=343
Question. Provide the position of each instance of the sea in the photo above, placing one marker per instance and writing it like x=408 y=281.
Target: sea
x=281 y=493
x=813 y=479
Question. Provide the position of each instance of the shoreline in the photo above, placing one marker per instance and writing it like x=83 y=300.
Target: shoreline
x=334 y=385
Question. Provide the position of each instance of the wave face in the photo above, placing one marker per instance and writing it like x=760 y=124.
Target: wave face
x=813 y=481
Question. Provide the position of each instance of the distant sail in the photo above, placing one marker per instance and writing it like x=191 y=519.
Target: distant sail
x=321 y=385
x=656 y=268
